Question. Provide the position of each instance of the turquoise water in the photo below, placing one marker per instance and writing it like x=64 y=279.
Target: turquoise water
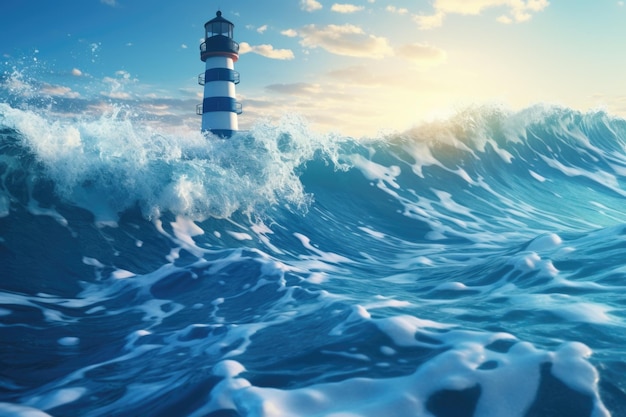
x=469 y=267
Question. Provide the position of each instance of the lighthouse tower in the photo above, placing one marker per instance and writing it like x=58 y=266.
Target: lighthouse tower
x=219 y=51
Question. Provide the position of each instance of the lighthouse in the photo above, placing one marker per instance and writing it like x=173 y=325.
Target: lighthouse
x=219 y=52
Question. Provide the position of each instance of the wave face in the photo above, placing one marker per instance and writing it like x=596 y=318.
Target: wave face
x=468 y=267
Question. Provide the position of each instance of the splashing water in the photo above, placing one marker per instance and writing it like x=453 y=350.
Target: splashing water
x=468 y=267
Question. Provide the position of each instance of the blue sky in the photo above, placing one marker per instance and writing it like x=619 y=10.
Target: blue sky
x=354 y=67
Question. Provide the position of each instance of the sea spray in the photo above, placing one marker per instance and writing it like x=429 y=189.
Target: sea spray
x=471 y=266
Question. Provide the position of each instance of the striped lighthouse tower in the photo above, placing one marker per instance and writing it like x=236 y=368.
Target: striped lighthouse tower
x=219 y=51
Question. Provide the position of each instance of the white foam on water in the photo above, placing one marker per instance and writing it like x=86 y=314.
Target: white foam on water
x=570 y=365
x=228 y=369
x=17 y=410
x=371 y=232
x=546 y=242
x=602 y=178
x=531 y=261
x=536 y=176
x=507 y=388
x=318 y=278
x=348 y=355
x=376 y=172
x=58 y=398
x=185 y=229
x=402 y=329
x=34 y=208
x=92 y=262
x=320 y=255
x=567 y=307
x=112 y=163
x=122 y=274
x=583 y=312
x=451 y=286
x=68 y=341
x=239 y=235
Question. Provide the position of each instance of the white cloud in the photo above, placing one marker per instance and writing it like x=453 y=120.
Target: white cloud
x=348 y=40
x=262 y=29
x=504 y=19
x=397 y=10
x=362 y=75
x=59 y=91
x=267 y=51
x=518 y=10
x=117 y=95
x=298 y=89
x=183 y=46
x=109 y=2
x=76 y=72
x=310 y=5
x=289 y=33
x=422 y=53
x=345 y=8
x=429 y=22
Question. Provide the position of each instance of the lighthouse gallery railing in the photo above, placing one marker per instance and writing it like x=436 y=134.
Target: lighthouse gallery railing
x=219 y=43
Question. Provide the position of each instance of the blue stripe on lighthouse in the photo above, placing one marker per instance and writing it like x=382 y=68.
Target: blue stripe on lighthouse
x=221 y=74
x=213 y=104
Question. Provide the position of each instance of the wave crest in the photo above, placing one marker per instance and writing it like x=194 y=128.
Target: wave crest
x=110 y=164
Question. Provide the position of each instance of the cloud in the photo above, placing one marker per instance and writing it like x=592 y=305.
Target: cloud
x=348 y=40
x=289 y=33
x=298 y=89
x=362 y=75
x=76 y=72
x=345 y=8
x=518 y=10
x=156 y=109
x=262 y=29
x=267 y=51
x=111 y=3
x=116 y=95
x=429 y=22
x=422 y=53
x=396 y=10
x=58 y=91
x=183 y=46
x=310 y=5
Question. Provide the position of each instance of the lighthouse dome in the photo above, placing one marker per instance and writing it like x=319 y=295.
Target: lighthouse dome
x=218 y=39
x=218 y=26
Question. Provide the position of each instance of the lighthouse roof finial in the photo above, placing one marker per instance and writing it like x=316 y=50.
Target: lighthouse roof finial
x=219 y=13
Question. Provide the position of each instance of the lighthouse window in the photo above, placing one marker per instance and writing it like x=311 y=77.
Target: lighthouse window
x=221 y=28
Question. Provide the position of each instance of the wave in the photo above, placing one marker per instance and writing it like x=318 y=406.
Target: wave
x=469 y=266
x=522 y=160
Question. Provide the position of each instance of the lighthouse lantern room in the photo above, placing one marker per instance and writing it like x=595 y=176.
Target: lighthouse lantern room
x=219 y=51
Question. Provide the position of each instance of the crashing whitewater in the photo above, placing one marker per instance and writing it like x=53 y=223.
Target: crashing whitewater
x=468 y=267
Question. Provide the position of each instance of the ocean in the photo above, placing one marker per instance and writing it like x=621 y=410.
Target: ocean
x=470 y=266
